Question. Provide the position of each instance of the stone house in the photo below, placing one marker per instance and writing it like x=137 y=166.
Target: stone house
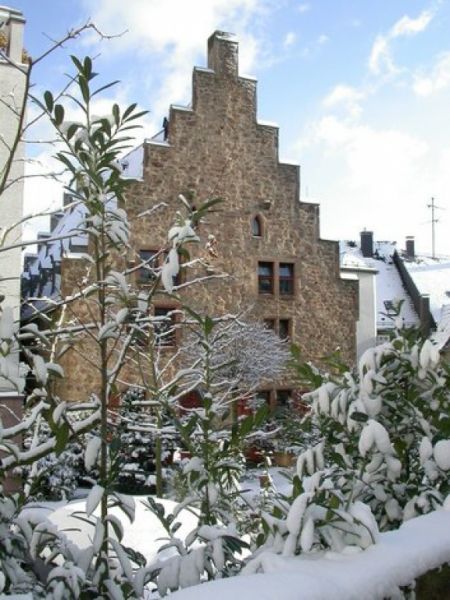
x=261 y=235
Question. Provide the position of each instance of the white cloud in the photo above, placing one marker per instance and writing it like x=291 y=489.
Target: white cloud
x=380 y=59
x=437 y=80
x=377 y=177
x=289 y=39
x=322 y=39
x=346 y=97
x=408 y=26
x=176 y=31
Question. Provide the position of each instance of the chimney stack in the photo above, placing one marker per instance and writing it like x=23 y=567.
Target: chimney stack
x=11 y=29
x=367 y=243
x=223 y=54
x=410 y=249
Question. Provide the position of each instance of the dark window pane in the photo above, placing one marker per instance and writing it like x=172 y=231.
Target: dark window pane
x=147 y=273
x=256 y=227
x=164 y=327
x=286 y=275
x=265 y=278
x=269 y=324
x=284 y=328
x=283 y=397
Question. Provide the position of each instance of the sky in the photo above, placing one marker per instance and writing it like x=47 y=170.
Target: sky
x=360 y=90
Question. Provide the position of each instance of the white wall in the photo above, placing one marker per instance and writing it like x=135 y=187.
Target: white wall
x=12 y=83
x=366 y=327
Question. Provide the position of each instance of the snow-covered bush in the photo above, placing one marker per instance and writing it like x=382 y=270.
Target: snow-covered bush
x=381 y=453
x=137 y=445
x=53 y=477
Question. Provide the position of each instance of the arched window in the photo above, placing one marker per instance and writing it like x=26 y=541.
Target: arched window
x=256 y=226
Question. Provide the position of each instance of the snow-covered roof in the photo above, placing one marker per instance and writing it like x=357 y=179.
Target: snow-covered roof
x=55 y=244
x=441 y=337
x=432 y=277
x=389 y=286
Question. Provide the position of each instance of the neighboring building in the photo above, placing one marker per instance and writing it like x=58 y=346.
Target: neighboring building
x=12 y=82
x=388 y=276
x=261 y=234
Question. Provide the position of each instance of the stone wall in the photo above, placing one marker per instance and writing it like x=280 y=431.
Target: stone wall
x=218 y=149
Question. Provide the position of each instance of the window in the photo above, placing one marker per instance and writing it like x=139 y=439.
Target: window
x=269 y=324
x=262 y=397
x=286 y=279
x=164 y=326
x=392 y=308
x=284 y=328
x=283 y=397
x=265 y=277
x=146 y=273
x=256 y=227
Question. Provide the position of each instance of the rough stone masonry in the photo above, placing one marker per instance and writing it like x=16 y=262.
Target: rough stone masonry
x=217 y=148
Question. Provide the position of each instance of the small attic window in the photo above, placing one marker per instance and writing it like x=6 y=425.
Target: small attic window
x=256 y=226
x=391 y=307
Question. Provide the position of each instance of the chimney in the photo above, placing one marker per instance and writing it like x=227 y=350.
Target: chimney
x=410 y=249
x=11 y=30
x=367 y=243
x=223 y=54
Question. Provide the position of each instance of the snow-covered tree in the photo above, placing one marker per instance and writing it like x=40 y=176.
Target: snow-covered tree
x=214 y=441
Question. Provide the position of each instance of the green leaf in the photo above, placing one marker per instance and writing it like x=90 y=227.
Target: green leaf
x=87 y=68
x=77 y=63
x=72 y=130
x=261 y=415
x=62 y=437
x=358 y=416
x=105 y=87
x=84 y=88
x=246 y=426
x=48 y=99
x=116 y=114
x=129 y=110
x=59 y=114
x=208 y=325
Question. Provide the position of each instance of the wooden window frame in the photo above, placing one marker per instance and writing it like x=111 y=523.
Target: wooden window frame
x=290 y=279
x=267 y=278
x=276 y=325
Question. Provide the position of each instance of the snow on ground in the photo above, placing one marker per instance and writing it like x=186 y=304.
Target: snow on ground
x=145 y=534
x=399 y=557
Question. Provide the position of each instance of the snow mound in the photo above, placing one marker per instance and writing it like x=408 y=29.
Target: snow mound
x=396 y=559
x=145 y=534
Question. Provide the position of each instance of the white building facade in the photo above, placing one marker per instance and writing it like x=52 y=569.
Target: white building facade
x=13 y=69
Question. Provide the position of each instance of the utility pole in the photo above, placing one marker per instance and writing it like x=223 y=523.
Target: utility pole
x=433 y=226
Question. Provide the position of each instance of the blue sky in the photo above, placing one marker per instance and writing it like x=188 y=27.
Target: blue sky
x=360 y=90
